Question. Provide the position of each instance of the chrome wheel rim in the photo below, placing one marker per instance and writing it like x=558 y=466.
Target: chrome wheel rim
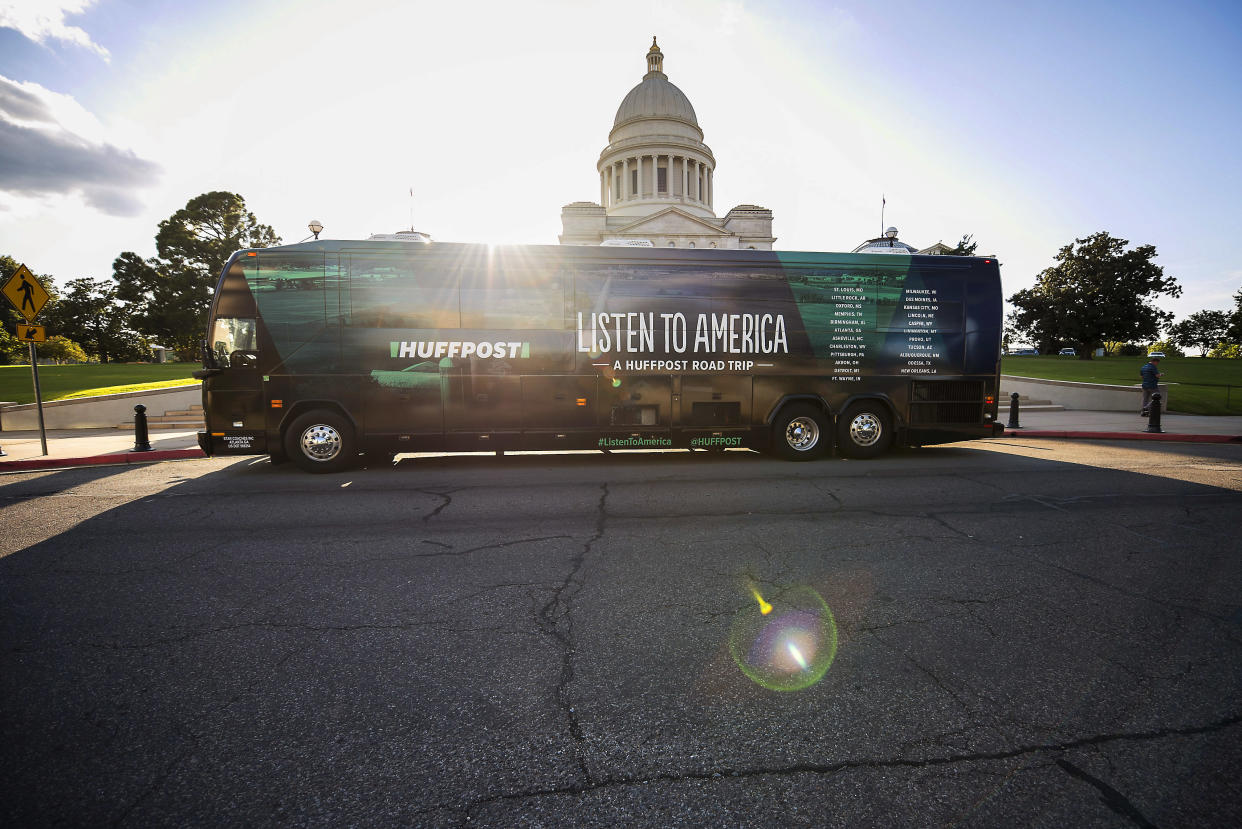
x=865 y=429
x=321 y=442
x=802 y=434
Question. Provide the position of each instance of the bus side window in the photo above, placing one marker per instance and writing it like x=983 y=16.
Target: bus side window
x=386 y=291
x=519 y=302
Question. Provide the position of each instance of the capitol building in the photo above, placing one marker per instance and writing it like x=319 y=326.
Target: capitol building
x=657 y=179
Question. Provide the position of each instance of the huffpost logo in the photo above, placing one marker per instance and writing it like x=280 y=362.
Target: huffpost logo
x=437 y=349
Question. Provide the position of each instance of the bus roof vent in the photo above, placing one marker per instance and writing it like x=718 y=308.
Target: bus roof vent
x=401 y=236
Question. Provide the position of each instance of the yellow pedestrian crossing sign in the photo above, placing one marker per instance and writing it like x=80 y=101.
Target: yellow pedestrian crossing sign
x=25 y=292
x=31 y=333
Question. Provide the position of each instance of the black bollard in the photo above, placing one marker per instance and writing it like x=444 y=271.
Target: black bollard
x=141 y=442
x=1013 y=412
x=1153 y=418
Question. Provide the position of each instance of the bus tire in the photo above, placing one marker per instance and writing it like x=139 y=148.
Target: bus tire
x=800 y=433
x=321 y=441
x=865 y=430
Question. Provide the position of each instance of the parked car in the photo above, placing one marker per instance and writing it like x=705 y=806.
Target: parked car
x=1159 y=354
x=1024 y=352
x=1068 y=352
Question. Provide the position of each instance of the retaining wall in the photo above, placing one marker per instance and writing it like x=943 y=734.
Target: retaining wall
x=1096 y=397
x=104 y=411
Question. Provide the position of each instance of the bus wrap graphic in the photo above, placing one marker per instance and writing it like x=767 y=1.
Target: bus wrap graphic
x=464 y=347
x=428 y=349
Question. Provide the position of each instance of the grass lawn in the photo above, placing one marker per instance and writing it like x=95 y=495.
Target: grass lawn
x=1198 y=385
x=62 y=382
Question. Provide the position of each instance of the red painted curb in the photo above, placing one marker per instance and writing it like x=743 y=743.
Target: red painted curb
x=102 y=460
x=1046 y=433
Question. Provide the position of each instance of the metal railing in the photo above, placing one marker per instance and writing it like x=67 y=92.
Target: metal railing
x=1228 y=396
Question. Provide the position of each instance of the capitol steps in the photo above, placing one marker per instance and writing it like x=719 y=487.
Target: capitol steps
x=184 y=419
x=1026 y=404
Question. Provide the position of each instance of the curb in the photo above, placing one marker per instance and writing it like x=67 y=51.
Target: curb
x=102 y=460
x=1047 y=433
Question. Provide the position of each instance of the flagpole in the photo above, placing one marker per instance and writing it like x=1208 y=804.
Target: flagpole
x=883 y=202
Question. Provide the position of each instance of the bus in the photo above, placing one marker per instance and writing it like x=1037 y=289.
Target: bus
x=325 y=351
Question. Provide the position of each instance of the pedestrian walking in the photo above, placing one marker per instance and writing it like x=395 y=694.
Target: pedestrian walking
x=1151 y=381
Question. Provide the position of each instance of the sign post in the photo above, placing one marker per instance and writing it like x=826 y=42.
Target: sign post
x=29 y=297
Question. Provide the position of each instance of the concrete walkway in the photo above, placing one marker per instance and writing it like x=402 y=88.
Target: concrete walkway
x=98 y=447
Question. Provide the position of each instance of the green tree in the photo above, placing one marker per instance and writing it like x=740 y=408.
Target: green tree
x=966 y=247
x=62 y=350
x=1231 y=351
x=1168 y=347
x=89 y=314
x=1098 y=291
x=1234 y=332
x=169 y=296
x=13 y=350
x=1202 y=330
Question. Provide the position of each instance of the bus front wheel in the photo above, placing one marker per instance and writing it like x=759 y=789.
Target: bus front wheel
x=800 y=433
x=864 y=431
x=321 y=441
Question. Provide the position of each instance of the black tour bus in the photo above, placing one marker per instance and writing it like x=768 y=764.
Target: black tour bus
x=323 y=351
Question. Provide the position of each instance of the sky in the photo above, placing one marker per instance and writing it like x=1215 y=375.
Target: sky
x=1025 y=125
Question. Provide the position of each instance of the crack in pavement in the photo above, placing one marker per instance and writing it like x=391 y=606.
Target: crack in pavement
x=558 y=609
x=847 y=765
x=156 y=783
x=447 y=496
x=1109 y=796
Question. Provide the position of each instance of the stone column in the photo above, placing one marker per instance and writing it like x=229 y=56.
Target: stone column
x=685 y=177
x=603 y=187
x=625 y=180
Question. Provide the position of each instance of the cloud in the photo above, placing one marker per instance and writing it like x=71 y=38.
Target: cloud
x=44 y=20
x=41 y=156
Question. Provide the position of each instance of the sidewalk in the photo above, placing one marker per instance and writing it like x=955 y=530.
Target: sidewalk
x=1124 y=426
x=92 y=447
x=99 y=447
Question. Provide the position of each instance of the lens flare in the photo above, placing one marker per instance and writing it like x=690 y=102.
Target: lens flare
x=787 y=643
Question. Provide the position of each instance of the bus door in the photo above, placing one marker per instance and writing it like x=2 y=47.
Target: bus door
x=235 y=394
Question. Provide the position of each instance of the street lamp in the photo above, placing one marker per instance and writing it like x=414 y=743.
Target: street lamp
x=315 y=227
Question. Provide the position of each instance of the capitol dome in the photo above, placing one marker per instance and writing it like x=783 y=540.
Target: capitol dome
x=655 y=154
x=656 y=97
x=657 y=179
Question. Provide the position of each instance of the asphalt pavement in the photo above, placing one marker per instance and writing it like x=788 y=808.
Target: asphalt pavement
x=102 y=447
x=1030 y=633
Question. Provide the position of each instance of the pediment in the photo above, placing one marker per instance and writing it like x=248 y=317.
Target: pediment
x=671 y=221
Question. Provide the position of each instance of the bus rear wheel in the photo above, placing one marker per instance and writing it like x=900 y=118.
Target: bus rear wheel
x=321 y=441
x=800 y=433
x=865 y=430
